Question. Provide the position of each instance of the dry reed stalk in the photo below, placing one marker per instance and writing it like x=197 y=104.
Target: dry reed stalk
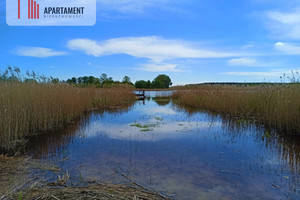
x=277 y=106
x=30 y=108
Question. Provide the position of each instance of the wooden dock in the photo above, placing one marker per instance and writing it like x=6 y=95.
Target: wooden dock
x=141 y=95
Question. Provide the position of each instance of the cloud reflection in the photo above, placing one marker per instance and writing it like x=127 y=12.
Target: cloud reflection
x=159 y=130
x=159 y=110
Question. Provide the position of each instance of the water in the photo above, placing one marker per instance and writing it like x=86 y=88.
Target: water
x=181 y=154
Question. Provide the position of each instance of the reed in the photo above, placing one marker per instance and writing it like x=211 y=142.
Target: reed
x=276 y=106
x=30 y=108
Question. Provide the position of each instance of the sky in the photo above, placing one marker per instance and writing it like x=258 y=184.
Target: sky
x=192 y=41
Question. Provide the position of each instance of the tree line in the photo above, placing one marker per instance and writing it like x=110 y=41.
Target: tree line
x=14 y=74
x=102 y=81
x=160 y=82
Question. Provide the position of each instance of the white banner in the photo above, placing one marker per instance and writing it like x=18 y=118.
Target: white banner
x=51 y=12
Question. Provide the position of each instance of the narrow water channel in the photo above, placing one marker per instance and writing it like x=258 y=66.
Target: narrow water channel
x=180 y=154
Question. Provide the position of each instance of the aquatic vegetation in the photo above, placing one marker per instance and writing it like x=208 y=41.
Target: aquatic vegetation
x=145 y=127
x=243 y=122
x=266 y=135
x=28 y=108
x=158 y=118
x=275 y=105
x=148 y=126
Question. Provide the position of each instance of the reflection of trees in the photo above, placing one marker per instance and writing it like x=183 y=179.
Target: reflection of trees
x=162 y=101
x=56 y=142
x=284 y=144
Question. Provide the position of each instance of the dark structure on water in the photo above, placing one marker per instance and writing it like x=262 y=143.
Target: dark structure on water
x=141 y=95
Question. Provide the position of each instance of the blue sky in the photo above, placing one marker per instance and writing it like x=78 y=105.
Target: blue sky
x=192 y=41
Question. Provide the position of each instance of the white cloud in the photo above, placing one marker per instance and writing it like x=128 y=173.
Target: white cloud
x=242 y=62
x=38 y=52
x=157 y=50
x=136 y=6
x=153 y=48
x=250 y=45
x=159 y=110
x=288 y=48
x=285 y=24
x=160 y=67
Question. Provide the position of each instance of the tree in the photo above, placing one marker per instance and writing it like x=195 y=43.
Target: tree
x=148 y=84
x=161 y=82
x=126 y=79
x=54 y=80
x=106 y=80
x=103 y=77
x=140 y=84
x=93 y=80
x=72 y=80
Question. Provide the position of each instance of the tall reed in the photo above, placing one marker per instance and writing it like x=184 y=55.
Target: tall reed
x=277 y=106
x=31 y=108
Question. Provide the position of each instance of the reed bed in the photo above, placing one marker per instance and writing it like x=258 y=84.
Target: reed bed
x=32 y=108
x=276 y=106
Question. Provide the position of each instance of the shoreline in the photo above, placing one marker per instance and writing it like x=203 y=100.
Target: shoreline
x=18 y=182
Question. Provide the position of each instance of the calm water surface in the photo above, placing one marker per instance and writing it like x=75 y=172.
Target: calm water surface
x=182 y=155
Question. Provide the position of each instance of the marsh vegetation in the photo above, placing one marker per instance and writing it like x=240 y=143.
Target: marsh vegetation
x=41 y=105
x=196 y=142
x=276 y=106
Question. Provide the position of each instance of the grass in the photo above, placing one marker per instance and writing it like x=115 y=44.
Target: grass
x=31 y=108
x=276 y=106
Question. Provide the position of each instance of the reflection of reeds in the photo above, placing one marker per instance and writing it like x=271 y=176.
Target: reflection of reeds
x=30 y=108
x=56 y=142
x=277 y=106
x=162 y=100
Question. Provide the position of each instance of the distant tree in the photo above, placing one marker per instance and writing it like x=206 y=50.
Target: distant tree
x=79 y=80
x=93 y=80
x=140 y=84
x=148 y=84
x=161 y=81
x=103 y=77
x=84 y=80
x=126 y=79
x=54 y=80
x=105 y=80
x=73 y=80
x=30 y=80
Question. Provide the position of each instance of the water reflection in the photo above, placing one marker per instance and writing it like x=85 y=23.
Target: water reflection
x=54 y=143
x=286 y=145
x=162 y=101
x=153 y=129
x=179 y=152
